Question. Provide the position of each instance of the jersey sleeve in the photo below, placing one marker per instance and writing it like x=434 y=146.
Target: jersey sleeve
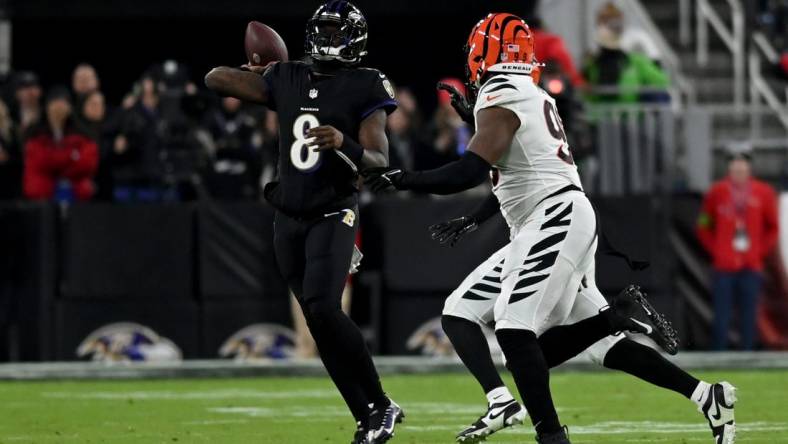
x=381 y=95
x=272 y=79
x=502 y=92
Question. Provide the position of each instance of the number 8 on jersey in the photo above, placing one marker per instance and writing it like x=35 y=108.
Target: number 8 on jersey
x=301 y=155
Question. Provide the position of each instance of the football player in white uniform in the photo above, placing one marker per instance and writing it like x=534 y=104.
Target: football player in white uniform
x=539 y=289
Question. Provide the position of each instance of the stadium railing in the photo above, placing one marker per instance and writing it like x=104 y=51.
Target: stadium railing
x=760 y=89
x=733 y=37
x=640 y=149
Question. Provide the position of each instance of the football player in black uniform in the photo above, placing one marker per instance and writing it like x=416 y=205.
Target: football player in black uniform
x=332 y=119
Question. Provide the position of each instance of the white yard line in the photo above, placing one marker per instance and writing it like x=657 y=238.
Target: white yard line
x=206 y=395
x=621 y=428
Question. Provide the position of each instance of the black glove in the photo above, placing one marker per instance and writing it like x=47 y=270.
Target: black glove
x=450 y=232
x=460 y=103
x=383 y=178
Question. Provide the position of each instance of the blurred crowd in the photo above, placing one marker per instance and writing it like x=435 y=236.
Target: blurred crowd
x=771 y=17
x=171 y=140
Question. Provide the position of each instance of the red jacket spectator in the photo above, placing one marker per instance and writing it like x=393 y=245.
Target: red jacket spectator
x=722 y=216
x=550 y=48
x=57 y=153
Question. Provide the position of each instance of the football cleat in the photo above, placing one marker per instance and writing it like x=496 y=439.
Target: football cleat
x=559 y=437
x=717 y=407
x=632 y=305
x=382 y=422
x=498 y=416
x=361 y=435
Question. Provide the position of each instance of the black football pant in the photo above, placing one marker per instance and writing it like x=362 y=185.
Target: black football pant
x=314 y=257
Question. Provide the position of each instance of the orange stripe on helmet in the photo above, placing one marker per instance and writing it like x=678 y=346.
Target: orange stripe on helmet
x=498 y=38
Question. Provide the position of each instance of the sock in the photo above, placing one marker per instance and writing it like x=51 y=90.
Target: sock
x=532 y=376
x=562 y=343
x=498 y=395
x=472 y=348
x=699 y=394
x=650 y=366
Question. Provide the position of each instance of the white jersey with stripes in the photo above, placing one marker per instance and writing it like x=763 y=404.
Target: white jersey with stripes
x=539 y=161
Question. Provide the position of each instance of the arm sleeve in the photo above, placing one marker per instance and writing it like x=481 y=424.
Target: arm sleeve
x=271 y=78
x=37 y=183
x=650 y=73
x=489 y=208
x=463 y=174
x=86 y=164
x=502 y=92
x=381 y=95
x=705 y=225
x=771 y=232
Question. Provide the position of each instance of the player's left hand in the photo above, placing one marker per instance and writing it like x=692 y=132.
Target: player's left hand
x=325 y=138
x=452 y=231
x=383 y=178
x=460 y=103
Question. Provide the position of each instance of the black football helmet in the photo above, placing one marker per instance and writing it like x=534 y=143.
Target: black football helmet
x=337 y=31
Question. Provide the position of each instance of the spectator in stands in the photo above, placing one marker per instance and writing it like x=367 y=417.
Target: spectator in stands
x=738 y=227
x=551 y=50
x=92 y=113
x=402 y=125
x=27 y=109
x=235 y=167
x=637 y=39
x=60 y=162
x=10 y=157
x=84 y=81
x=446 y=136
x=135 y=152
x=103 y=130
x=619 y=76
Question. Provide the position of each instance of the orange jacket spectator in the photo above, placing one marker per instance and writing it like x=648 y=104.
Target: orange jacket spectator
x=56 y=152
x=729 y=209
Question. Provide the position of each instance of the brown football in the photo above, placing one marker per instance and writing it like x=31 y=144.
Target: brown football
x=263 y=45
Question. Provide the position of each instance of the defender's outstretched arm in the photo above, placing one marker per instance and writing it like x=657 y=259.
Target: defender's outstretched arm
x=495 y=130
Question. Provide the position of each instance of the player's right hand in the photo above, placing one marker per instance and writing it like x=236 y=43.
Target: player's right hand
x=460 y=103
x=452 y=231
x=257 y=69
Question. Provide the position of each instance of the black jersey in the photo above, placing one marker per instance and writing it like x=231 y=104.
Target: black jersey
x=313 y=182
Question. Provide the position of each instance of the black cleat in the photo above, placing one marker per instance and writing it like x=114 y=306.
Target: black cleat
x=559 y=437
x=382 y=421
x=361 y=435
x=640 y=317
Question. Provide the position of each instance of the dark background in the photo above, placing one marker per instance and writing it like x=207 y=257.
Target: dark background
x=126 y=37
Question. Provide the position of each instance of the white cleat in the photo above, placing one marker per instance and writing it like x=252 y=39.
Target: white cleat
x=498 y=416
x=717 y=407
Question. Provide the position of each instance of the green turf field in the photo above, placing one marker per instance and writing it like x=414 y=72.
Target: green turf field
x=599 y=408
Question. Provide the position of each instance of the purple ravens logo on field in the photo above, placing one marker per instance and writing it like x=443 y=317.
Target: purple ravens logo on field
x=128 y=342
x=430 y=340
x=260 y=342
